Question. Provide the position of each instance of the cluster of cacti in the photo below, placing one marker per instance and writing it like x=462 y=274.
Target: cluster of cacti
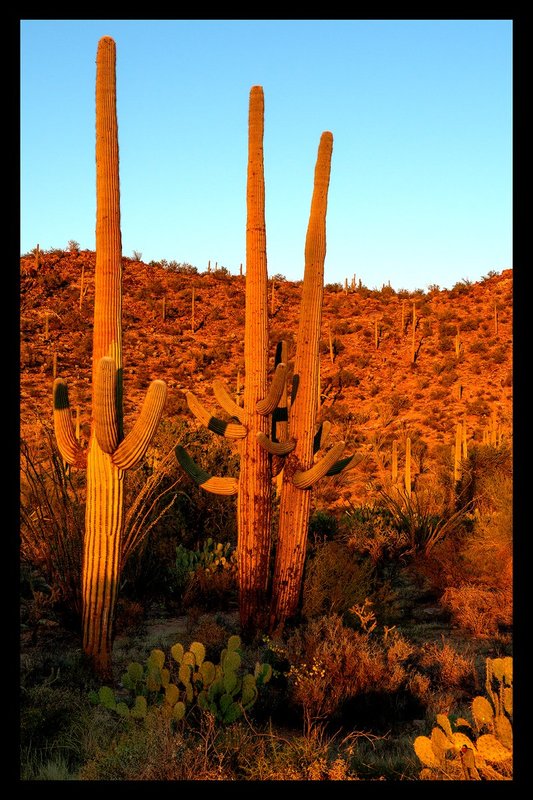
x=481 y=750
x=225 y=690
x=492 y=433
x=110 y=453
x=263 y=457
x=212 y=557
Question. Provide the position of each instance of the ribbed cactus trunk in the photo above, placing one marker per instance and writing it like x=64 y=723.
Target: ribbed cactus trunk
x=104 y=510
x=295 y=501
x=254 y=495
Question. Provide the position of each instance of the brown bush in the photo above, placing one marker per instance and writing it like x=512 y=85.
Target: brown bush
x=478 y=610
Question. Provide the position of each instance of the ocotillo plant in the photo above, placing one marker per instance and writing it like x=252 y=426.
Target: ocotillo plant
x=109 y=453
x=251 y=424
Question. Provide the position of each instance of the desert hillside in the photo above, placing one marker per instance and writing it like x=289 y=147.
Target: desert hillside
x=379 y=383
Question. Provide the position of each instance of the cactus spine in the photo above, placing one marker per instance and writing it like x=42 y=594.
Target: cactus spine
x=109 y=452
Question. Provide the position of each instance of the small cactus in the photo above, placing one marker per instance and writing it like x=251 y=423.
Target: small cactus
x=224 y=690
x=452 y=755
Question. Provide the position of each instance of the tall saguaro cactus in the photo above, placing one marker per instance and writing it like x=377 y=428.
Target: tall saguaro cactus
x=254 y=500
x=109 y=453
x=252 y=423
x=299 y=472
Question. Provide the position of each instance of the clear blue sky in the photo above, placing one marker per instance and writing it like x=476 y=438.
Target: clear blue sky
x=420 y=111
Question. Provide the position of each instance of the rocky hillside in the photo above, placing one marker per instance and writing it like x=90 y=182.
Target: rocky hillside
x=378 y=382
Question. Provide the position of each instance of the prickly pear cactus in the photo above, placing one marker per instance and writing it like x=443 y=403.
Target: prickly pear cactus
x=487 y=752
x=189 y=681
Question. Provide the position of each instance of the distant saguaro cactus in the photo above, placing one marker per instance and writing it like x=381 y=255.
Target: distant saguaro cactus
x=394 y=461
x=109 y=453
x=407 y=473
x=251 y=424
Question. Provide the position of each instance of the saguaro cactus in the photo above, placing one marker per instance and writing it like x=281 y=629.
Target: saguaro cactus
x=252 y=423
x=109 y=453
x=299 y=472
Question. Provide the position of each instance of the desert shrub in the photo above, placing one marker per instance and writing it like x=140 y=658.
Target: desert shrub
x=446 y=667
x=322 y=525
x=422 y=520
x=332 y=665
x=368 y=530
x=341 y=327
x=478 y=346
x=446 y=343
x=52 y=522
x=479 y=610
x=182 y=268
x=334 y=580
x=487 y=471
x=177 y=510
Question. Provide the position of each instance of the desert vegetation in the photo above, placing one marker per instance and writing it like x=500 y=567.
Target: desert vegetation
x=314 y=583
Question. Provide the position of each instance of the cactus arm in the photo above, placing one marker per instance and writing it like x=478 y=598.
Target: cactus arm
x=231 y=430
x=225 y=486
x=304 y=479
x=270 y=402
x=321 y=436
x=134 y=445
x=343 y=465
x=275 y=448
x=105 y=403
x=226 y=401
x=65 y=433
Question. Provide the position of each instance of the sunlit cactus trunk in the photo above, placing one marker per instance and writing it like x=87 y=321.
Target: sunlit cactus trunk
x=109 y=453
x=295 y=500
x=254 y=495
x=104 y=510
